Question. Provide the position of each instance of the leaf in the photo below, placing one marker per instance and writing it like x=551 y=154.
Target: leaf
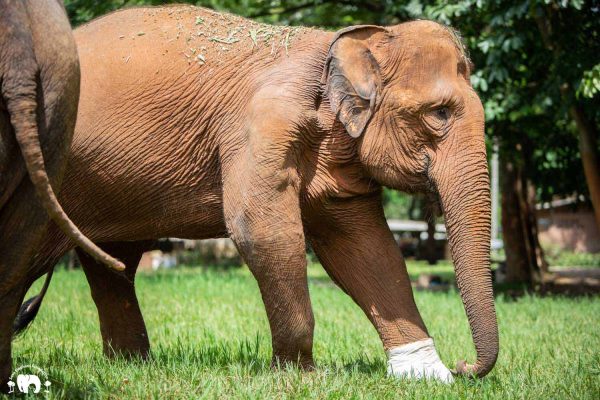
x=590 y=83
x=227 y=40
x=253 y=35
x=484 y=46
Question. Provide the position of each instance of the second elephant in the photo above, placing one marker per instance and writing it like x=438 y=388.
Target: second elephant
x=39 y=92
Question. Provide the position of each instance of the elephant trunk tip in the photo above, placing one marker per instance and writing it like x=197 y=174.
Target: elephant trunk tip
x=462 y=368
x=477 y=370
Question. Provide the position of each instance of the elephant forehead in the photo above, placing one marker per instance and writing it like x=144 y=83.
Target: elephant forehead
x=423 y=54
x=428 y=75
x=427 y=65
x=433 y=92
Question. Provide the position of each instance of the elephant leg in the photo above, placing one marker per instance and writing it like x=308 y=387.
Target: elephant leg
x=10 y=301
x=263 y=218
x=22 y=225
x=357 y=249
x=121 y=323
x=287 y=303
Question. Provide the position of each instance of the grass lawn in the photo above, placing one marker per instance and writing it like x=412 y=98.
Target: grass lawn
x=210 y=339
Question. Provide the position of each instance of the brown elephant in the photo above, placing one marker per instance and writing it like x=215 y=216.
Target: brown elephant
x=197 y=124
x=39 y=91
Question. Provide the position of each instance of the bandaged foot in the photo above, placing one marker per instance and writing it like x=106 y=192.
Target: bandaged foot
x=418 y=360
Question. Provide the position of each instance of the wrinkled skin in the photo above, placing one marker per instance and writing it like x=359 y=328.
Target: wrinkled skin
x=36 y=87
x=39 y=92
x=184 y=131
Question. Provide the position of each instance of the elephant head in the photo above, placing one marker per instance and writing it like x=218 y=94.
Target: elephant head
x=25 y=380
x=404 y=93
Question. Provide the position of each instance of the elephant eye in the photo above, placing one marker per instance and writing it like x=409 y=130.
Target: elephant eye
x=438 y=120
x=442 y=113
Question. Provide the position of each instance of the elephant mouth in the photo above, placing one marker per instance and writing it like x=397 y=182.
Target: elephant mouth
x=433 y=204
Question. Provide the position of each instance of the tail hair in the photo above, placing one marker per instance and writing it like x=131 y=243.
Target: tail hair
x=29 y=309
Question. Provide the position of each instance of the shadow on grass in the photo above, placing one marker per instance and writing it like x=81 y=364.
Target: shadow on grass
x=79 y=375
x=362 y=365
x=179 y=273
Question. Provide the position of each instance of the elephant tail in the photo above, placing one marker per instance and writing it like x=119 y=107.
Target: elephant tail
x=20 y=89
x=30 y=308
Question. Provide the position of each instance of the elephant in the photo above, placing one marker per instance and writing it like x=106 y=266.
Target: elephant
x=197 y=124
x=39 y=92
x=24 y=381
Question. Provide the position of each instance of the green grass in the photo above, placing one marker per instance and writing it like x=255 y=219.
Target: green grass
x=563 y=258
x=210 y=339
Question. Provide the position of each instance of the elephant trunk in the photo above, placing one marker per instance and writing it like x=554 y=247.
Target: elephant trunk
x=463 y=187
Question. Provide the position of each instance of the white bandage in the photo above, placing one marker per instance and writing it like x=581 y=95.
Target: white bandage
x=418 y=360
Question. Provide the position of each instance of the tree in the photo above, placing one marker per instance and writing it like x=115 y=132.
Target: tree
x=524 y=255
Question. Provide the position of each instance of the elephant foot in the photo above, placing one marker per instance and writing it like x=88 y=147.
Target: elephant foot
x=129 y=350
x=305 y=363
x=418 y=360
x=5 y=371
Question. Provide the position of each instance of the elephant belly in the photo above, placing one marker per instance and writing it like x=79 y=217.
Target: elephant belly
x=112 y=206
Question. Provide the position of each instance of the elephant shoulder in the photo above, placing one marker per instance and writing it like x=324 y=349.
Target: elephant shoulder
x=274 y=111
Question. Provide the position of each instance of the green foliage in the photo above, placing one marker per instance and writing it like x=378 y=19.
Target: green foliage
x=590 y=83
x=562 y=258
x=396 y=205
x=210 y=339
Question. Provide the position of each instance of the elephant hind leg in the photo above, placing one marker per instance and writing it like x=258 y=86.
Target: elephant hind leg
x=22 y=226
x=9 y=305
x=121 y=323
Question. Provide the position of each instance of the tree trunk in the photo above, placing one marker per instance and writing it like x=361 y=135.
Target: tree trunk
x=525 y=262
x=589 y=156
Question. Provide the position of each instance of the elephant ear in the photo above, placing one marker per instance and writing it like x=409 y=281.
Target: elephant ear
x=351 y=77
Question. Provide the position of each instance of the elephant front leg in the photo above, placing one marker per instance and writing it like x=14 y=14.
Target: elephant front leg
x=284 y=289
x=357 y=249
x=121 y=322
x=263 y=219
